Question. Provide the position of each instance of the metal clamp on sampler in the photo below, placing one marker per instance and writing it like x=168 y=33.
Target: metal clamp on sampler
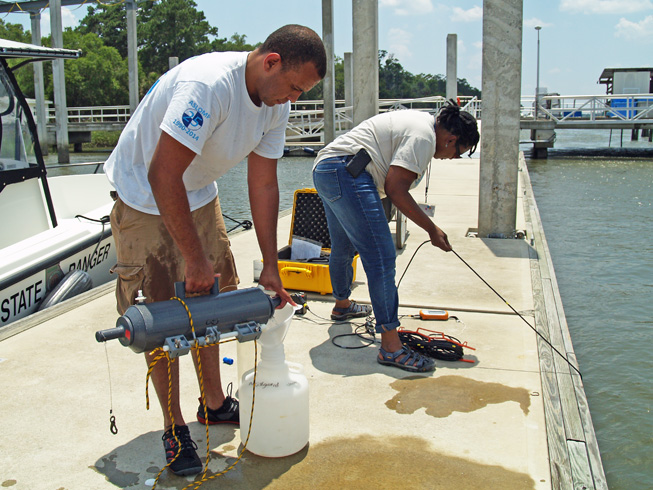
x=215 y=316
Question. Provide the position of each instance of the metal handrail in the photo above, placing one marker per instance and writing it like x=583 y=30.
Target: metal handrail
x=94 y=114
x=78 y=164
x=560 y=108
x=307 y=116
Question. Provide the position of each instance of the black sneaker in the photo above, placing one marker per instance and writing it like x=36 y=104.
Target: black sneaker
x=228 y=413
x=188 y=462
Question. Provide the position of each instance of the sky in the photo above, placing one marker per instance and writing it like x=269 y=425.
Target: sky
x=578 y=39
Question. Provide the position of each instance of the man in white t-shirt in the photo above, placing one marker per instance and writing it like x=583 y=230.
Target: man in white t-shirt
x=197 y=121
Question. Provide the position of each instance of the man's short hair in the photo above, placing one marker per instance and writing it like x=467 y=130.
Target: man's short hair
x=296 y=45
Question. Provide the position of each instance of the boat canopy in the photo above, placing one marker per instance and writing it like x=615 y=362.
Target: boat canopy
x=13 y=49
x=21 y=161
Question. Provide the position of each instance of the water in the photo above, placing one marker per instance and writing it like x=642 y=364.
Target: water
x=293 y=173
x=597 y=214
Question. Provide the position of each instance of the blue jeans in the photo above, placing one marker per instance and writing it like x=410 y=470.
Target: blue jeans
x=357 y=222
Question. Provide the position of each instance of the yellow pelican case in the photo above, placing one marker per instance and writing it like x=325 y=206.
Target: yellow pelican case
x=308 y=221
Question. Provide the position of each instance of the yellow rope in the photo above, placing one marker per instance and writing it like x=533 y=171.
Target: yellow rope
x=204 y=479
x=164 y=354
x=172 y=419
x=157 y=358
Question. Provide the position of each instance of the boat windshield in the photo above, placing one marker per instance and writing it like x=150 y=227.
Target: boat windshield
x=16 y=141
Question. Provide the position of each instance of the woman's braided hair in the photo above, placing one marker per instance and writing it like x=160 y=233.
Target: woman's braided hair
x=459 y=123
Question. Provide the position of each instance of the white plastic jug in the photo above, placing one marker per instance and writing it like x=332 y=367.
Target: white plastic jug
x=245 y=359
x=280 y=426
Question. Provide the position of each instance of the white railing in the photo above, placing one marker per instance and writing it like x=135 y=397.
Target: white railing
x=565 y=108
x=307 y=120
x=99 y=114
x=307 y=116
x=430 y=104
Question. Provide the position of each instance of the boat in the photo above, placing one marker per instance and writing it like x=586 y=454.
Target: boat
x=56 y=238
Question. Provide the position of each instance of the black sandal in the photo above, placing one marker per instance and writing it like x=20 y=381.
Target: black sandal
x=412 y=361
x=354 y=310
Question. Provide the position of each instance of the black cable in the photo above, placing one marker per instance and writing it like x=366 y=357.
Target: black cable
x=356 y=333
x=443 y=349
x=519 y=315
x=246 y=224
x=411 y=260
x=495 y=292
x=104 y=220
x=325 y=321
x=368 y=322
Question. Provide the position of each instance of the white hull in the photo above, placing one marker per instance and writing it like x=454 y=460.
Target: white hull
x=32 y=267
x=48 y=227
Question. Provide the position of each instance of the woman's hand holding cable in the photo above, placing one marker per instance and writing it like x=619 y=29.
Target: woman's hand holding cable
x=439 y=239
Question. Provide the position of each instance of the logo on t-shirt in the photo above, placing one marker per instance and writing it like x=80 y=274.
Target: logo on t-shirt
x=192 y=119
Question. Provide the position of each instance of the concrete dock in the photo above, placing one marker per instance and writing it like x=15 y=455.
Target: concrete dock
x=514 y=418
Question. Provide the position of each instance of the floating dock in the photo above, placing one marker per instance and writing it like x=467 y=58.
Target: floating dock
x=514 y=418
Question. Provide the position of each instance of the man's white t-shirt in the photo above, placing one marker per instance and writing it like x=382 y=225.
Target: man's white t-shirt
x=202 y=103
x=404 y=138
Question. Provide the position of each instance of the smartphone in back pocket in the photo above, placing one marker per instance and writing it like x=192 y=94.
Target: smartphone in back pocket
x=358 y=163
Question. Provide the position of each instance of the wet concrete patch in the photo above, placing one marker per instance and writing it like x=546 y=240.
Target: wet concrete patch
x=110 y=470
x=140 y=460
x=444 y=395
x=368 y=462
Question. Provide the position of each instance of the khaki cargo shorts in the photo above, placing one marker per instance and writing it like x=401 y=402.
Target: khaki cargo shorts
x=149 y=260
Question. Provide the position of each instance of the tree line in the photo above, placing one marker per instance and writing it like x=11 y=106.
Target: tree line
x=169 y=28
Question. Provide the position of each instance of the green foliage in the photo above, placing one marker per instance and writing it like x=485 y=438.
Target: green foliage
x=100 y=77
x=104 y=139
x=237 y=42
x=396 y=83
x=165 y=29
x=109 y=23
x=174 y=28
x=14 y=32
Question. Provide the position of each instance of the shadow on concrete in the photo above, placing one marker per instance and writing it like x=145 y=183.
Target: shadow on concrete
x=356 y=356
x=508 y=247
x=137 y=463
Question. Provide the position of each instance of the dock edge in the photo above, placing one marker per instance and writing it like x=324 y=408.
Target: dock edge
x=574 y=457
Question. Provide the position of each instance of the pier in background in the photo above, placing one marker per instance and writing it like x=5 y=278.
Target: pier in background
x=632 y=112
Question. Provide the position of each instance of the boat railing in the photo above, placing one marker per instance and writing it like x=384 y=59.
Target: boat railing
x=97 y=165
